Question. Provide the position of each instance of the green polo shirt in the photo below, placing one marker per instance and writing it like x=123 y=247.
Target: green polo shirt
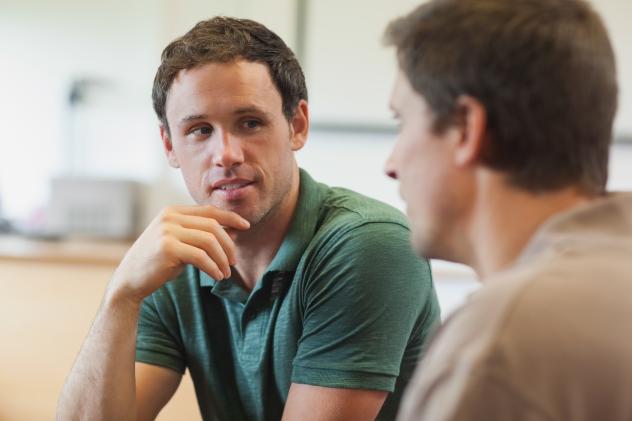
x=344 y=303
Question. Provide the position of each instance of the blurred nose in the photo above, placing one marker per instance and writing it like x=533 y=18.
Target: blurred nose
x=228 y=152
x=389 y=167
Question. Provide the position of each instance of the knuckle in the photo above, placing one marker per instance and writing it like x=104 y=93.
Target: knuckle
x=201 y=259
x=165 y=231
x=166 y=245
x=207 y=243
x=199 y=256
x=213 y=250
x=166 y=214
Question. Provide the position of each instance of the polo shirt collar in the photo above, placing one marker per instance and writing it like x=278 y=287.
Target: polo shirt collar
x=302 y=229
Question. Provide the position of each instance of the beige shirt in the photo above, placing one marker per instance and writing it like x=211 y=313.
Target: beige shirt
x=548 y=339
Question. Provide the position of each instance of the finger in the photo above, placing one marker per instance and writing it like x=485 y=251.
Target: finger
x=224 y=217
x=227 y=244
x=211 y=226
x=197 y=257
x=209 y=243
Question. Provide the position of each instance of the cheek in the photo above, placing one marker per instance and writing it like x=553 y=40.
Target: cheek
x=423 y=175
x=274 y=155
x=191 y=154
x=194 y=164
x=411 y=161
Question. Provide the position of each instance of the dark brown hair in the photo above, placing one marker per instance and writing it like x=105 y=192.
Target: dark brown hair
x=543 y=69
x=223 y=40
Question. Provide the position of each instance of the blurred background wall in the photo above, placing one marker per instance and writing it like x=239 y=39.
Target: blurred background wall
x=75 y=83
x=106 y=54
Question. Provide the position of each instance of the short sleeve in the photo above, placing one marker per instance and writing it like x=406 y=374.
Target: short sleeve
x=364 y=298
x=157 y=342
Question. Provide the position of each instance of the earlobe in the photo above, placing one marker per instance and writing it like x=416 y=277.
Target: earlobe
x=168 y=147
x=472 y=127
x=299 y=126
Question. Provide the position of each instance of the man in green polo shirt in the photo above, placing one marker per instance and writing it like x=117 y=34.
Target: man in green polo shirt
x=284 y=298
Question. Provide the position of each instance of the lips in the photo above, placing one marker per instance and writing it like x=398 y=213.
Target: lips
x=232 y=188
x=228 y=184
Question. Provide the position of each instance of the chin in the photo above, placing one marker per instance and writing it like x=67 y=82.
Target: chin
x=425 y=242
x=420 y=248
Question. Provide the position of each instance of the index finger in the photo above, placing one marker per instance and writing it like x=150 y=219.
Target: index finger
x=224 y=217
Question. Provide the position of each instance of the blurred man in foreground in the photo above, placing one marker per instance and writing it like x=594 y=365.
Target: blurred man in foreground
x=506 y=112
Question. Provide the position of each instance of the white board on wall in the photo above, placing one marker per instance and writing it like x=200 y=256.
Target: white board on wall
x=350 y=72
x=181 y=15
x=617 y=15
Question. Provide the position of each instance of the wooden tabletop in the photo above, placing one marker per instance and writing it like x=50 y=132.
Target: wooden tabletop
x=76 y=251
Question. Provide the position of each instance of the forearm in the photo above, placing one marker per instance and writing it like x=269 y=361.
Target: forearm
x=101 y=384
x=316 y=403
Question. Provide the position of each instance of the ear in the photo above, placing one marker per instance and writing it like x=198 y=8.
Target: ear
x=168 y=147
x=299 y=126
x=473 y=131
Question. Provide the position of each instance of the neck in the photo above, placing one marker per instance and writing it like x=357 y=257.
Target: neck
x=257 y=247
x=504 y=219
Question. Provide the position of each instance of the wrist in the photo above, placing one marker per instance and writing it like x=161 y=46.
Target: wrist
x=117 y=296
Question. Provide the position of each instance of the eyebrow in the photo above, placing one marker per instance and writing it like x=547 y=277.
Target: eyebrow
x=238 y=111
x=193 y=117
x=250 y=110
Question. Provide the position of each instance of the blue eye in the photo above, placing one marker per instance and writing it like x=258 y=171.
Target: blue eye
x=202 y=131
x=251 y=124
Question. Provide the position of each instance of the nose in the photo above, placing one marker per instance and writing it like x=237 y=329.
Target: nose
x=389 y=167
x=228 y=152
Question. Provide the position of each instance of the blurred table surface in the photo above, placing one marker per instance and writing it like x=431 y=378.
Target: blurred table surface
x=51 y=291
x=72 y=250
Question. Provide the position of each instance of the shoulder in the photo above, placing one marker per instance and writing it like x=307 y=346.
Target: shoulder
x=336 y=204
x=465 y=347
x=356 y=228
x=352 y=218
x=536 y=329
x=342 y=205
x=498 y=310
x=362 y=244
x=572 y=294
x=569 y=310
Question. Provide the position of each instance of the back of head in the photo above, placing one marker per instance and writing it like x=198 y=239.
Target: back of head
x=543 y=69
x=223 y=40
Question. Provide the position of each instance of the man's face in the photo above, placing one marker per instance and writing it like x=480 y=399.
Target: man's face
x=422 y=161
x=229 y=137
